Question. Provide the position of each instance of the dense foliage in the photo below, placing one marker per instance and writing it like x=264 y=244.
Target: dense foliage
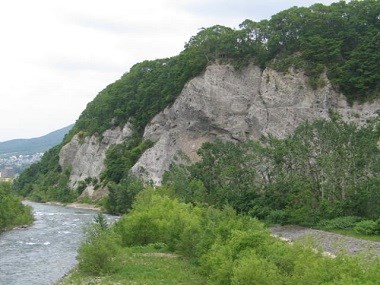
x=12 y=212
x=324 y=170
x=228 y=248
x=121 y=157
x=122 y=186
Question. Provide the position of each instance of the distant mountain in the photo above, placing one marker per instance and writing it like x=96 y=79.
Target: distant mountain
x=33 y=145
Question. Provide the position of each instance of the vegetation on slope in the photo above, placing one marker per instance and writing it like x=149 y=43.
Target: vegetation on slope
x=12 y=212
x=45 y=180
x=341 y=39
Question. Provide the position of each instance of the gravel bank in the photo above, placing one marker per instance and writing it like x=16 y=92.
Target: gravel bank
x=330 y=242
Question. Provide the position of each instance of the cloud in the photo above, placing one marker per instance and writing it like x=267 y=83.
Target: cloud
x=243 y=9
x=68 y=64
x=108 y=25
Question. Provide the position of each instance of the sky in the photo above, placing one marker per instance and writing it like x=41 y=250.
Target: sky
x=57 y=55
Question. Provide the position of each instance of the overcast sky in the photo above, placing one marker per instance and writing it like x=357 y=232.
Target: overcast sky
x=55 y=56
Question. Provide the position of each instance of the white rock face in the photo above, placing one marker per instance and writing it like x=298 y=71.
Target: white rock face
x=220 y=103
x=86 y=156
x=238 y=105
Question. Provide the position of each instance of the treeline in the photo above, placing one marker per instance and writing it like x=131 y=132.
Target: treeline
x=12 y=212
x=226 y=247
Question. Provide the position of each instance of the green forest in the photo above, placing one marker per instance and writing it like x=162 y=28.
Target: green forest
x=12 y=212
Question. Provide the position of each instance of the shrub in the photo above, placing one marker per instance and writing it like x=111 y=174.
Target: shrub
x=158 y=218
x=377 y=227
x=98 y=256
x=138 y=229
x=366 y=227
x=218 y=262
x=252 y=269
x=341 y=223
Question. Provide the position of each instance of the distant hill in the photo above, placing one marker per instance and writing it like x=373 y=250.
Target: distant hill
x=33 y=145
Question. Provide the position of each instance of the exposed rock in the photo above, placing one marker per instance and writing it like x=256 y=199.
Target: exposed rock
x=220 y=103
x=85 y=156
x=238 y=105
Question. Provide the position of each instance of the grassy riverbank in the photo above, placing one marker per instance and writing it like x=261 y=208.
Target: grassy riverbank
x=144 y=265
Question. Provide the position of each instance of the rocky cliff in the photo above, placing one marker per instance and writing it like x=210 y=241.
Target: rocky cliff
x=238 y=105
x=220 y=103
x=85 y=156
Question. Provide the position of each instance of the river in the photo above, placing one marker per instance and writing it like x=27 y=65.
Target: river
x=44 y=252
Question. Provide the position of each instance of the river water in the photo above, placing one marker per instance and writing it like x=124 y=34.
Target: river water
x=43 y=253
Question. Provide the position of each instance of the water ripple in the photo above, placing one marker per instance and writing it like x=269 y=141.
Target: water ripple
x=44 y=252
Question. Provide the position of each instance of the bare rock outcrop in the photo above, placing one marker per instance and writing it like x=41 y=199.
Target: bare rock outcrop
x=238 y=105
x=220 y=103
x=85 y=156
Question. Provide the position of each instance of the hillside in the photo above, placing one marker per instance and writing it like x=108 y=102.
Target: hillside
x=33 y=145
x=264 y=79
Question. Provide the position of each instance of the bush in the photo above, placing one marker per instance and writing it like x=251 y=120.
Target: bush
x=252 y=269
x=158 y=218
x=377 y=227
x=139 y=229
x=97 y=254
x=98 y=257
x=218 y=263
x=366 y=227
x=341 y=223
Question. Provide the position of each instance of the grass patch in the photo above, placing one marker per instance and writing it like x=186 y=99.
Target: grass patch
x=144 y=265
x=352 y=233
